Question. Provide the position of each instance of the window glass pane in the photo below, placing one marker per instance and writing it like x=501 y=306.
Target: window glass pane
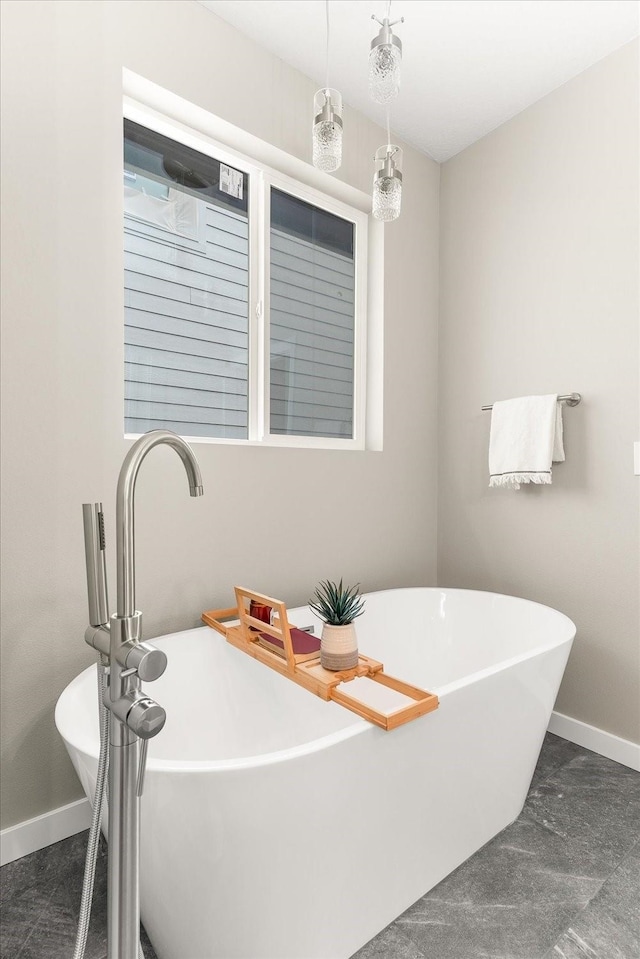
x=186 y=236
x=312 y=320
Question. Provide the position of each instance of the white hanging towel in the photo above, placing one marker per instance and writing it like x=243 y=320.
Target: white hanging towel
x=526 y=437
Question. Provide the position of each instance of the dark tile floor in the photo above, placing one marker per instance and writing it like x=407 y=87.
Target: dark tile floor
x=561 y=882
x=40 y=900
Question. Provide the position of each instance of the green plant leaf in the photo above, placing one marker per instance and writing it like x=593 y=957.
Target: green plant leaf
x=336 y=604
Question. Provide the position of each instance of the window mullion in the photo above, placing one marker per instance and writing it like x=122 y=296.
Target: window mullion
x=360 y=336
x=266 y=309
x=256 y=309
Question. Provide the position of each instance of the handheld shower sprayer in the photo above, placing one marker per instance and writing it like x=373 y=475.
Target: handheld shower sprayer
x=95 y=558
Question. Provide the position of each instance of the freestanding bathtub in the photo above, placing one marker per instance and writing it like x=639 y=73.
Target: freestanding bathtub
x=278 y=826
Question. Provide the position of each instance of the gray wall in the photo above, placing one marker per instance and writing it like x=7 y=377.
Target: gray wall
x=368 y=516
x=539 y=294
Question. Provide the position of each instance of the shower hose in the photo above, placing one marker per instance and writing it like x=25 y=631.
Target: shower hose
x=94 y=831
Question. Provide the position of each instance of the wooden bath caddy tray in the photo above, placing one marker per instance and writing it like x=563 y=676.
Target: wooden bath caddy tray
x=273 y=645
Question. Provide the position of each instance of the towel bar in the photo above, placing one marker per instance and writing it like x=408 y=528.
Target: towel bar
x=571 y=399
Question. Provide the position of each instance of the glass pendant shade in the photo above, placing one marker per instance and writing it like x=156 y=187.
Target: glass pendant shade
x=387 y=183
x=327 y=130
x=384 y=65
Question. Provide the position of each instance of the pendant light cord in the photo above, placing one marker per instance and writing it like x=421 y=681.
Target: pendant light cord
x=388 y=105
x=327 y=56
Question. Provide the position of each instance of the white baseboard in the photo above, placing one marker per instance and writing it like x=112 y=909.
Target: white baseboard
x=613 y=747
x=26 y=837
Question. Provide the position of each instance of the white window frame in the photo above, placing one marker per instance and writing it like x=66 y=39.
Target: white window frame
x=262 y=178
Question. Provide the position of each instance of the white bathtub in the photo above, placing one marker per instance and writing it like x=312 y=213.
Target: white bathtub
x=278 y=826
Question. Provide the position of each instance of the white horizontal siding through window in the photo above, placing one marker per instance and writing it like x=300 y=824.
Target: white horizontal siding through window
x=312 y=316
x=186 y=327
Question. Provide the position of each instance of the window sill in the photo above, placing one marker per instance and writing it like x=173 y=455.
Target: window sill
x=273 y=442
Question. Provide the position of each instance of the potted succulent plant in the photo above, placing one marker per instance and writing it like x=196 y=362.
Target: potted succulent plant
x=338 y=606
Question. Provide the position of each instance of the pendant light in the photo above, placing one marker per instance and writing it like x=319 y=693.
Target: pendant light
x=327 y=130
x=384 y=61
x=387 y=181
x=327 y=123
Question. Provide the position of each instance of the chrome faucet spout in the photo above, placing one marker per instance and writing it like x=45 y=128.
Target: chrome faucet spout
x=125 y=546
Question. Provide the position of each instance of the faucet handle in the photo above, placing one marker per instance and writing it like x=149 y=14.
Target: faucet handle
x=148 y=661
x=140 y=713
x=142 y=767
x=132 y=654
x=145 y=718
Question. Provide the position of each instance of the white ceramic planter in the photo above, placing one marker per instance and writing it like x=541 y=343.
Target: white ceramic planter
x=338 y=647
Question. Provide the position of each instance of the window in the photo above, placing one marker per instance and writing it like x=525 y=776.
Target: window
x=312 y=284
x=245 y=299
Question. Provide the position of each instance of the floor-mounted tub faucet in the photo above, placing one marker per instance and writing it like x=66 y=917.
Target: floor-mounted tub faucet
x=135 y=718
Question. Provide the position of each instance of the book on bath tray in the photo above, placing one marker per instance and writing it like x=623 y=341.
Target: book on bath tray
x=305 y=645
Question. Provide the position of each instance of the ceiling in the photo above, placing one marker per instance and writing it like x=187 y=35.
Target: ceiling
x=468 y=65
